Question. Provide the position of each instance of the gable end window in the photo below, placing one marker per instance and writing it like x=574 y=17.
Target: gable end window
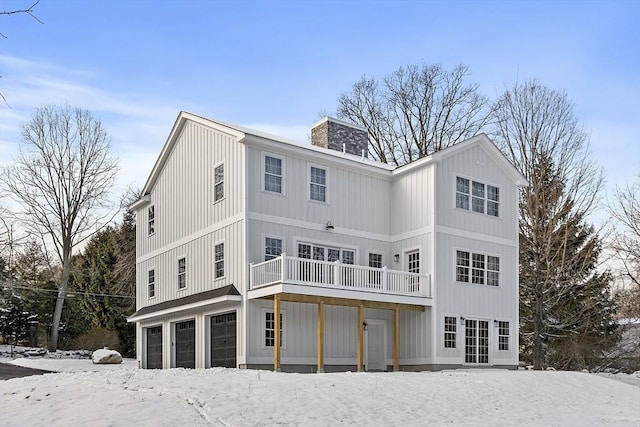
x=477 y=268
x=152 y=283
x=218 y=184
x=450 y=329
x=182 y=273
x=477 y=197
x=273 y=174
x=318 y=184
x=219 y=260
x=503 y=335
x=151 y=223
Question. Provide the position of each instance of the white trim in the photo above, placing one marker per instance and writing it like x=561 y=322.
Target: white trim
x=486 y=254
x=172 y=310
x=327 y=174
x=154 y=284
x=224 y=266
x=449 y=350
x=264 y=237
x=486 y=196
x=325 y=244
x=308 y=225
x=476 y=236
x=383 y=323
x=404 y=262
x=263 y=328
x=338 y=121
x=177 y=270
x=224 y=179
x=283 y=191
x=194 y=236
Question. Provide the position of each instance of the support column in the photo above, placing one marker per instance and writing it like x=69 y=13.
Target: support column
x=276 y=333
x=396 y=339
x=321 y=336
x=360 y=343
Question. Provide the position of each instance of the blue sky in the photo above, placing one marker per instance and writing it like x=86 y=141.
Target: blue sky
x=275 y=65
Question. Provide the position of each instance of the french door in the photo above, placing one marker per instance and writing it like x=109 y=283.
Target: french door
x=476 y=341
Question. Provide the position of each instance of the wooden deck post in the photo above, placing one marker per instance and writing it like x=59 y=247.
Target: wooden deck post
x=396 y=339
x=276 y=332
x=360 y=342
x=321 y=336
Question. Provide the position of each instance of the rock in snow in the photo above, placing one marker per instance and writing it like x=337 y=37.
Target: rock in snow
x=106 y=356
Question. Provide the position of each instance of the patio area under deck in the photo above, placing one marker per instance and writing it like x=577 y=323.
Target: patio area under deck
x=291 y=279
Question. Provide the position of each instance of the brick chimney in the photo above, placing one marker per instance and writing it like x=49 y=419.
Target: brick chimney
x=340 y=136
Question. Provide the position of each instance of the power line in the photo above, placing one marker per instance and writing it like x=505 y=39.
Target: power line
x=69 y=293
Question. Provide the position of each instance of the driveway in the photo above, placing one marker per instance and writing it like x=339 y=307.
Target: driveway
x=8 y=371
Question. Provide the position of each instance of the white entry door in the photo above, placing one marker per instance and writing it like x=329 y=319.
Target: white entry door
x=375 y=357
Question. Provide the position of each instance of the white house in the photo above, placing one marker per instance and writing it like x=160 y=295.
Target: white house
x=258 y=252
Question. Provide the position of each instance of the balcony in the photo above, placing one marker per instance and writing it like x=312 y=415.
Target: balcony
x=301 y=276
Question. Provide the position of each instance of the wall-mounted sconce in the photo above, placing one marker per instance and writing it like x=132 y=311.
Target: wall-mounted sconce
x=495 y=323
x=329 y=226
x=462 y=319
x=364 y=325
x=396 y=258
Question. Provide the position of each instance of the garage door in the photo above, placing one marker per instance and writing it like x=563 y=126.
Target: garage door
x=186 y=344
x=223 y=340
x=154 y=348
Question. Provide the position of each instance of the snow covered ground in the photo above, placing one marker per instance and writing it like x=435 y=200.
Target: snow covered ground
x=84 y=394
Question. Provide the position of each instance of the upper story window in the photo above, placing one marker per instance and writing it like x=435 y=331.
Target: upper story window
x=318 y=184
x=450 y=330
x=273 y=174
x=413 y=262
x=152 y=283
x=503 y=335
x=272 y=248
x=477 y=268
x=151 y=222
x=218 y=184
x=182 y=273
x=375 y=260
x=477 y=197
x=219 y=260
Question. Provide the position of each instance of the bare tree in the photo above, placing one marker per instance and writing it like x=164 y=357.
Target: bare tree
x=625 y=210
x=537 y=130
x=61 y=179
x=415 y=111
x=26 y=11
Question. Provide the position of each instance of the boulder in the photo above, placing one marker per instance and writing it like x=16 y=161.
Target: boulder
x=106 y=356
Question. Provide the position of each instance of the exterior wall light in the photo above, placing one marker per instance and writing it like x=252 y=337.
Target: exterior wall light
x=396 y=258
x=329 y=226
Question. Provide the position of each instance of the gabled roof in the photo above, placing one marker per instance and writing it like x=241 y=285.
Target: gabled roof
x=480 y=139
x=244 y=134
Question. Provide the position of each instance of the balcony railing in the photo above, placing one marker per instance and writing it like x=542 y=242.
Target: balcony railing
x=302 y=271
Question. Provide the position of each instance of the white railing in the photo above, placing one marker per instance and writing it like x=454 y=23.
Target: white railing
x=301 y=271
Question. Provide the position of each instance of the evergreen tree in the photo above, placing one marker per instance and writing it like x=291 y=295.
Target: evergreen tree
x=566 y=311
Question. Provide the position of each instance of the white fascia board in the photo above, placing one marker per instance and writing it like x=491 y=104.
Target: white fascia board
x=172 y=310
x=141 y=202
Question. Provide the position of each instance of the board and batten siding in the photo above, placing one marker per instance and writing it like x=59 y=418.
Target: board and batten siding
x=356 y=199
x=183 y=194
x=412 y=200
x=475 y=163
x=300 y=334
x=200 y=266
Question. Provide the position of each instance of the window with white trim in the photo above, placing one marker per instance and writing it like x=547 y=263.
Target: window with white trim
x=273 y=174
x=477 y=268
x=450 y=330
x=503 y=335
x=272 y=248
x=151 y=283
x=218 y=183
x=477 y=197
x=270 y=331
x=318 y=184
x=182 y=273
x=151 y=221
x=375 y=260
x=413 y=262
x=219 y=260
